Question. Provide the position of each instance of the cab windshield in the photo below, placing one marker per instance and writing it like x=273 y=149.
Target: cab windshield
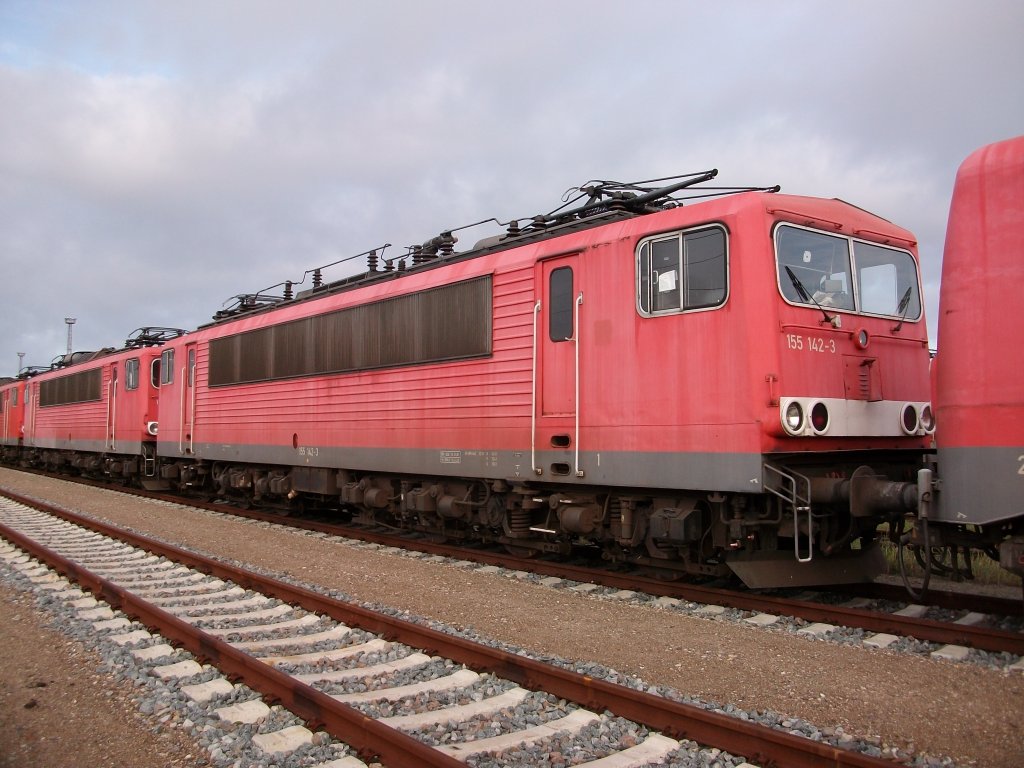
x=842 y=273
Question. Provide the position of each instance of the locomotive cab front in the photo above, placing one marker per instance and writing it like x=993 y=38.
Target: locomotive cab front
x=848 y=413
x=864 y=333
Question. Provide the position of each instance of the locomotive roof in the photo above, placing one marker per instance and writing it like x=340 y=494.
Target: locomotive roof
x=607 y=202
x=139 y=338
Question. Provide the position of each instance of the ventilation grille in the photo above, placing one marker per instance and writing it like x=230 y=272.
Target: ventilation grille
x=862 y=379
x=451 y=322
x=82 y=387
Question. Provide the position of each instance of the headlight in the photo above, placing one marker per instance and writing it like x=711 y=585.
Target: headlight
x=908 y=419
x=793 y=419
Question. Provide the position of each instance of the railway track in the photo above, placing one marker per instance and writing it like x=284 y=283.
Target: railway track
x=956 y=623
x=879 y=609
x=317 y=656
x=661 y=585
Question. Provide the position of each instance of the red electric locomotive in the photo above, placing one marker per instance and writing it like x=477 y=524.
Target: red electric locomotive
x=12 y=418
x=979 y=377
x=739 y=383
x=97 y=411
x=734 y=384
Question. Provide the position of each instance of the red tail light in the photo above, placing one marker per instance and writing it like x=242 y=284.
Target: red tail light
x=819 y=417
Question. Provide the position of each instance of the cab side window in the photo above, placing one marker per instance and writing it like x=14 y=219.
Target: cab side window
x=167 y=367
x=131 y=374
x=682 y=271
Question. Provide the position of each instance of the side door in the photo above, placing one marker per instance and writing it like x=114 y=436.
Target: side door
x=188 y=400
x=30 y=414
x=153 y=399
x=111 y=431
x=173 y=402
x=558 y=358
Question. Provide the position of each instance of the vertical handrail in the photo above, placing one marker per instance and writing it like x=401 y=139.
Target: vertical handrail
x=113 y=413
x=110 y=397
x=181 y=421
x=576 y=402
x=29 y=422
x=533 y=397
x=192 y=385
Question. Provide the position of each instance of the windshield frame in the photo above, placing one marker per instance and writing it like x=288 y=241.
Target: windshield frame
x=854 y=274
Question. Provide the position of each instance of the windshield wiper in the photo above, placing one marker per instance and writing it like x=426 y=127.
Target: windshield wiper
x=902 y=309
x=833 y=320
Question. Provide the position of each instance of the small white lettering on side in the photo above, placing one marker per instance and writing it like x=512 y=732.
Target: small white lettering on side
x=451 y=457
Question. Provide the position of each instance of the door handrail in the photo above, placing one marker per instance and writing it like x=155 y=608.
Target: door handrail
x=576 y=403
x=533 y=397
x=181 y=423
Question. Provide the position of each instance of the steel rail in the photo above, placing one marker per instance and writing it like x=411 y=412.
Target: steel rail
x=371 y=738
x=930 y=630
x=659 y=587
x=984 y=638
x=694 y=592
x=761 y=744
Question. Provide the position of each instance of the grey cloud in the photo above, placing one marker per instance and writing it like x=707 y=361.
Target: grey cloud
x=157 y=158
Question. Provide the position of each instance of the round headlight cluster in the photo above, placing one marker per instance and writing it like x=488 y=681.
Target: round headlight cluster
x=795 y=418
x=914 y=421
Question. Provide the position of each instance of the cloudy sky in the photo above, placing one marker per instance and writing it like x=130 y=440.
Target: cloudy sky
x=158 y=158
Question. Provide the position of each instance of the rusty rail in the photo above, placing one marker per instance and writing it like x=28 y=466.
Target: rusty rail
x=930 y=630
x=369 y=737
x=982 y=638
x=922 y=629
x=763 y=745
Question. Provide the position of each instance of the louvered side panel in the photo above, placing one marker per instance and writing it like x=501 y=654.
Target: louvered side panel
x=352 y=408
